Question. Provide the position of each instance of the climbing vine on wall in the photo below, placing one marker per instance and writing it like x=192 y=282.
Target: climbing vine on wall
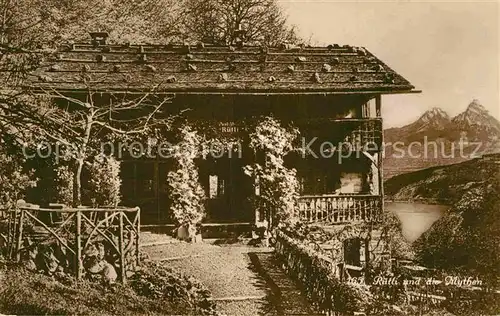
x=186 y=192
x=277 y=185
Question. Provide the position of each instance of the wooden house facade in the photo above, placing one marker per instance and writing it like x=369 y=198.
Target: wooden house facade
x=333 y=95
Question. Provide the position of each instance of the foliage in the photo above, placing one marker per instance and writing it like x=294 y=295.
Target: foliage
x=186 y=193
x=26 y=293
x=14 y=180
x=216 y=21
x=308 y=266
x=63 y=185
x=103 y=186
x=392 y=231
x=144 y=21
x=53 y=21
x=277 y=185
x=35 y=24
x=468 y=237
x=160 y=283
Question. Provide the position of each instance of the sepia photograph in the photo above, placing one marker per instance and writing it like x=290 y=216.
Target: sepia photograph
x=250 y=157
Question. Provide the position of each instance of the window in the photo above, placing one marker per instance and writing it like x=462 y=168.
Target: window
x=216 y=187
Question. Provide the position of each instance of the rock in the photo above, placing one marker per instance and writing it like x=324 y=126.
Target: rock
x=30 y=265
x=183 y=232
x=100 y=269
x=108 y=273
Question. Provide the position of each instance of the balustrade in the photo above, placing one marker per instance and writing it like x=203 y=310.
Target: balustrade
x=338 y=209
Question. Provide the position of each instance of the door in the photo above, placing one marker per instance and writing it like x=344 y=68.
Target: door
x=227 y=189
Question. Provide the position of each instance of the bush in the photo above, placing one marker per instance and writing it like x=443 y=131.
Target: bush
x=154 y=290
x=277 y=185
x=103 y=185
x=186 y=192
x=467 y=238
x=159 y=282
x=14 y=180
x=63 y=185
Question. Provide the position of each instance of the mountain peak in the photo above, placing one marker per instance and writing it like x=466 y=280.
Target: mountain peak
x=475 y=113
x=433 y=113
x=477 y=117
x=476 y=107
x=435 y=117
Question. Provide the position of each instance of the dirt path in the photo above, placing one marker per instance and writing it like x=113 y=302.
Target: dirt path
x=244 y=280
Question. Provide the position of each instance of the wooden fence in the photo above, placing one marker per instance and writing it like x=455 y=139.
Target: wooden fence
x=75 y=229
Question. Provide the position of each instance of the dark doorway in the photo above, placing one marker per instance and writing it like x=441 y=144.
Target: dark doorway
x=228 y=190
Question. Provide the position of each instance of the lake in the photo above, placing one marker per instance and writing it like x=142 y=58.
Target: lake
x=416 y=218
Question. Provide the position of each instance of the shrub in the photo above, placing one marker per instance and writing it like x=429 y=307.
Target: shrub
x=277 y=185
x=14 y=180
x=63 y=185
x=103 y=185
x=159 y=282
x=154 y=290
x=186 y=192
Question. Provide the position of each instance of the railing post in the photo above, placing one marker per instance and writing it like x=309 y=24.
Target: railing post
x=78 y=244
x=19 y=236
x=137 y=237
x=123 y=274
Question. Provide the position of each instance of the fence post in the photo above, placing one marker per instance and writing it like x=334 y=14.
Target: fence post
x=78 y=244
x=19 y=236
x=137 y=238
x=123 y=274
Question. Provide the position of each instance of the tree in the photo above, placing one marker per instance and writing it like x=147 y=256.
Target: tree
x=467 y=238
x=33 y=24
x=217 y=22
x=142 y=21
x=75 y=129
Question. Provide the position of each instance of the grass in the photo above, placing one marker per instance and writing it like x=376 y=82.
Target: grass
x=27 y=293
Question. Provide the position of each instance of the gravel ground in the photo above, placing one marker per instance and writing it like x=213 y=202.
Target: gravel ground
x=244 y=280
x=226 y=270
x=148 y=238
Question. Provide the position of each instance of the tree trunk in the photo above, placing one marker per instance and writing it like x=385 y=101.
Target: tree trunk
x=77 y=183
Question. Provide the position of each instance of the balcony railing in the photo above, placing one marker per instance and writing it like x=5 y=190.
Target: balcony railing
x=339 y=209
x=367 y=131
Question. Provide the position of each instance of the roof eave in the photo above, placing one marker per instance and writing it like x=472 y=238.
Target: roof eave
x=402 y=90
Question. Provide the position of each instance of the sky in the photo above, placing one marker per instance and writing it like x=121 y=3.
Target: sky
x=449 y=50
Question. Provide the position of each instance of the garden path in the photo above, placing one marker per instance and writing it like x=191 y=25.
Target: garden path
x=244 y=280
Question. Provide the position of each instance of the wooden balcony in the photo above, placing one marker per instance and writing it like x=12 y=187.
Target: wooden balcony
x=363 y=132
x=340 y=209
x=352 y=134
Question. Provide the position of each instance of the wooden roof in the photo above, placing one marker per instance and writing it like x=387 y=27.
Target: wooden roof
x=217 y=69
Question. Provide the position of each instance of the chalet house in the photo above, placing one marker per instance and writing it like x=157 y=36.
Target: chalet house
x=332 y=94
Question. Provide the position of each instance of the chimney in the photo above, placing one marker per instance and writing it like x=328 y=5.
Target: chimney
x=99 y=38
